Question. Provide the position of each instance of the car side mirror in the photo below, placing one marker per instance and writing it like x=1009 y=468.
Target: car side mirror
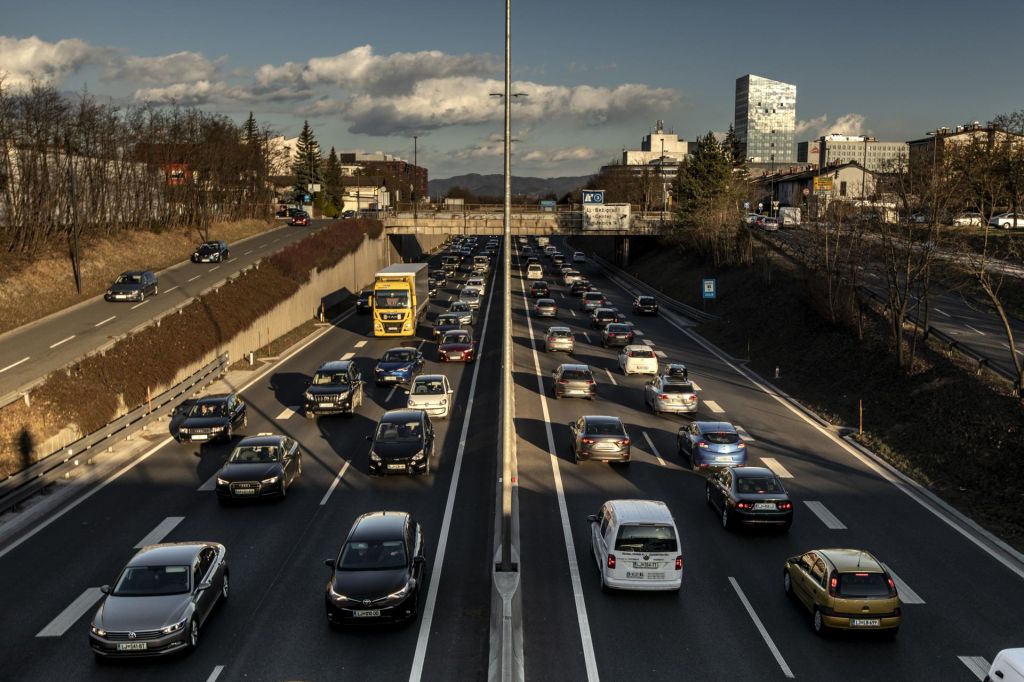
x=105 y=589
x=369 y=439
x=450 y=391
x=419 y=560
x=205 y=585
x=592 y=518
x=329 y=563
x=570 y=424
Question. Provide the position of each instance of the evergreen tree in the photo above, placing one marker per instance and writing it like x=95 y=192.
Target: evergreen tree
x=332 y=179
x=306 y=164
x=733 y=147
x=251 y=131
x=703 y=178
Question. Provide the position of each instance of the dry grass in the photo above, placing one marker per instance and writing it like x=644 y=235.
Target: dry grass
x=31 y=289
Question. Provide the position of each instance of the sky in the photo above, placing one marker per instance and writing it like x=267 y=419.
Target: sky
x=597 y=74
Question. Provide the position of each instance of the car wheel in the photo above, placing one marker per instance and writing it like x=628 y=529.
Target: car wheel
x=787 y=584
x=193 y=634
x=284 y=488
x=142 y=296
x=707 y=494
x=156 y=290
x=726 y=521
x=245 y=420
x=224 y=588
x=229 y=433
x=818 y=623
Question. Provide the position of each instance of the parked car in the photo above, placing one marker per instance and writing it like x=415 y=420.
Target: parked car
x=637 y=359
x=260 y=466
x=667 y=394
x=559 y=338
x=348 y=214
x=753 y=496
x=299 y=218
x=398 y=366
x=844 y=589
x=378 y=572
x=464 y=311
x=211 y=252
x=457 y=345
x=212 y=418
x=645 y=305
x=160 y=601
x=570 y=379
x=335 y=388
x=969 y=219
x=599 y=437
x=402 y=443
x=545 y=307
x=636 y=546
x=431 y=393
x=134 y=285
x=364 y=301
x=1007 y=220
x=711 y=445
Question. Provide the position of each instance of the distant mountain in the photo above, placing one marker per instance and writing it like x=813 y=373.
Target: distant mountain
x=494 y=185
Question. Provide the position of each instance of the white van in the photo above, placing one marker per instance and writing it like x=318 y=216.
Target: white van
x=534 y=271
x=1007 y=667
x=636 y=546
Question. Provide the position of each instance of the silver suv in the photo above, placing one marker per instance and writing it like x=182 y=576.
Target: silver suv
x=559 y=338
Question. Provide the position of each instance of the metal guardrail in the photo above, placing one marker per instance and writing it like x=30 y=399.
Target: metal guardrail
x=20 y=486
x=663 y=300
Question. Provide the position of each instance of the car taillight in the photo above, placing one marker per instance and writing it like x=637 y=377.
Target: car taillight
x=624 y=441
x=741 y=444
x=744 y=505
x=892 y=588
x=679 y=563
x=663 y=396
x=563 y=381
x=550 y=339
x=833 y=583
x=589 y=381
x=701 y=444
x=587 y=441
x=691 y=397
x=611 y=561
x=785 y=506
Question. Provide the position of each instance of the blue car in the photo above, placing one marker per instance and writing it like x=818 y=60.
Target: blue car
x=398 y=366
x=711 y=445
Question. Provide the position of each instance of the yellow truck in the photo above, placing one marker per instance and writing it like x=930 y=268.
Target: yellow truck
x=400 y=297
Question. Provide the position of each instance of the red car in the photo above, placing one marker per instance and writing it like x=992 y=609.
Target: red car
x=457 y=345
x=300 y=218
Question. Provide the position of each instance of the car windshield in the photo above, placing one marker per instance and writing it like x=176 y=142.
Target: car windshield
x=646 y=539
x=561 y=333
x=255 y=454
x=372 y=555
x=394 y=432
x=152 y=581
x=400 y=355
x=467 y=294
x=456 y=338
x=677 y=388
x=592 y=296
x=542 y=302
x=446 y=319
x=576 y=375
x=128 y=279
x=208 y=410
x=428 y=387
x=206 y=248
x=459 y=307
x=390 y=299
x=645 y=300
x=604 y=314
x=721 y=437
x=640 y=353
x=860 y=585
x=605 y=429
x=758 y=484
x=330 y=379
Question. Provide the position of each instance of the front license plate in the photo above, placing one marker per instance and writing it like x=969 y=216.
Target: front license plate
x=200 y=437
x=865 y=622
x=396 y=466
x=646 y=564
x=325 y=404
x=764 y=505
x=132 y=646
x=390 y=378
x=245 y=491
x=369 y=613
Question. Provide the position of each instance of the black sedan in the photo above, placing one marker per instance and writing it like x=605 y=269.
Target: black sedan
x=261 y=466
x=133 y=286
x=581 y=286
x=379 y=571
x=752 y=496
x=539 y=290
x=599 y=437
x=211 y=252
x=645 y=305
x=214 y=417
x=364 y=301
x=440 y=277
x=402 y=444
x=299 y=218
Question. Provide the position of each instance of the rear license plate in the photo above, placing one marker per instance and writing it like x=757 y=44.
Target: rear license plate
x=200 y=437
x=764 y=505
x=865 y=622
x=726 y=458
x=646 y=564
x=132 y=646
x=369 y=613
x=603 y=446
x=245 y=491
x=396 y=466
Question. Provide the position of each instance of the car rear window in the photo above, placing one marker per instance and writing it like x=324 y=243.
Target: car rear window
x=721 y=437
x=561 y=333
x=605 y=429
x=857 y=585
x=577 y=375
x=677 y=388
x=618 y=328
x=641 y=354
x=646 y=539
x=758 y=484
x=592 y=296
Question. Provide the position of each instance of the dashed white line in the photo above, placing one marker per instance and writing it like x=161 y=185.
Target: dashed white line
x=825 y=516
x=743 y=433
x=348 y=356
x=247 y=252
x=647 y=342
x=654 y=450
x=210 y=484
x=714 y=407
x=660 y=354
x=586 y=336
x=334 y=483
x=760 y=628
x=217 y=670
x=978 y=665
x=62 y=341
x=974 y=330
x=215 y=268
x=775 y=466
x=360 y=344
x=103 y=322
x=161 y=531
x=637 y=332
x=195 y=278
x=288 y=412
x=907 y=595
x=573 y=312
x=138 y=304
x=171 y=289
x=69 y=616
x=610 y=377
x=939 y=310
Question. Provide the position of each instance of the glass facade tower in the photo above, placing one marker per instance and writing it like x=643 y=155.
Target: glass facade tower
x=766 y=119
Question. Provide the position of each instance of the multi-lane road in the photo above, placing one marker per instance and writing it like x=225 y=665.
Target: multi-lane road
x=729 y=621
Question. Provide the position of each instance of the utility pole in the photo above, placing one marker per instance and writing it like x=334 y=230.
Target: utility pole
x=507 y=407
x=415 y=175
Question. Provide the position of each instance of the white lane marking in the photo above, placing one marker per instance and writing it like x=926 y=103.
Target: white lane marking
x=589 y=657
x=939 y=310
x=610 y=377
x=215 y=268
x=714 y=407
x=573 y=312
x=825 y=516
x=138 y=304
x=695 y=386
x=348 y=356
x=69 y=616
x=288 y=412
x=211 y=484
x=743 y=433
x=647 y=342
x=360 y=344
x=195 y=278
x=978 y=665
x=561 y=294
x=637 y=332
x=974 y=330
x=907 y=595
x=775 y=466
x=247 y=252
x=391 y=393
x=62 y=341
x=657 y=454
x=449 y=298
x=171 y=289
x=334 y=483
x=586 y=336
x=217 y=670
x=162 y=530
x=100 y=324
x=760 y=628
x=660 y=353
x=427 y=617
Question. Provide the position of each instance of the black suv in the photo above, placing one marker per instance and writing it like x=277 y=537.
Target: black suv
x=211 y=252
x=134 y=285
x=402 y=444
x=214 y=417
x=336 y=388
x=539 y=290
x=645 y=305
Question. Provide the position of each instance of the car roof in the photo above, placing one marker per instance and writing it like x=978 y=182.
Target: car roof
x=429 y=377
x=211 y=399
x=398 y=348
x=395 y=416
x=578 y=366
x=559 y=328
x=852 y=560
x=335 y=366
x=545 y=301
x=715 y=426
x=382 y=525
x=272 y=439
x=751 y=472
x=168 y=554
x=601 y=419
x=453 y=332
x=641 y=511
x=636 y=346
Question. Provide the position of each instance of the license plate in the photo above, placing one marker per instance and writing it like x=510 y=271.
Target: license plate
x=325 y=404
x=603 y=446
x=200 y=437
x=764 y=505
x=369 y=613
x=396 y=466
x=646 y=564
x=244 y=491
x=726 y=458
x=390 y=378
x=132 y=646
x=865 y=622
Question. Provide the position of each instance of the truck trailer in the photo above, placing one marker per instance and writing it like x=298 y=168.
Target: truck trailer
x=400 y=298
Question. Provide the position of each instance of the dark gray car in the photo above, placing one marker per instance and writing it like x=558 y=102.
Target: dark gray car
x=599 y=437
x=133 y=286
x=160 y=601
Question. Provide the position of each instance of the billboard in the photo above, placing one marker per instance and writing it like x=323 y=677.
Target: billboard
x=606 y=216
x=177 y=173
x=823 y=183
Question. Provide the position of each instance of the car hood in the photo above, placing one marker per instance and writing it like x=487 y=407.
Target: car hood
x=442 y=328
x=426 y=399
x=201 y=422
x=394 y=366
x=121 y=614
x=125 y=287
x=328 y=390
x=370 y=584
x=399 y=450
x=249 y=471
x=450 y=347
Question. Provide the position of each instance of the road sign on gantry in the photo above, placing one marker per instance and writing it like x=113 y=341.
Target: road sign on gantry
x=593 y=196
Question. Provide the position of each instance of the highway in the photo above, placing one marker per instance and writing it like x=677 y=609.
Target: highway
x=729 y=621
x=32 y=351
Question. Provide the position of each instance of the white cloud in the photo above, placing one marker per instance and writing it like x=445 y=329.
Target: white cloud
x=25 y=59
x=552 y=156
x=200 y=92
x=171 y=68
x=847 y=124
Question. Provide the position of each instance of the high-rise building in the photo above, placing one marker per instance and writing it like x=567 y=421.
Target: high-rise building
x=765 y=120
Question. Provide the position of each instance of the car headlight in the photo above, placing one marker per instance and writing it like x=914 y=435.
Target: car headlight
x=223 y=481
x=402 y=593
x=174 y=628
x=184 y=431
x=418 y=456
x=374 y=457
x=217 y=428
x=336 y=596
x=444 y=401
x=99 y=632
x=270 y=481
x=309 y=397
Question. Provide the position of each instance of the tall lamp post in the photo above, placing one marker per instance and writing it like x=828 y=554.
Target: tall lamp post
x=415 y=175
x=863 y=169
